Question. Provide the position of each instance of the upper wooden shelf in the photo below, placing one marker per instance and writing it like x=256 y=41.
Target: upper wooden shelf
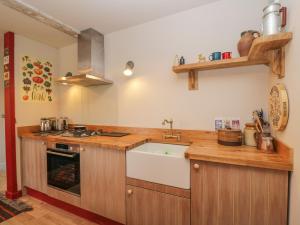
x=219 y=64
x=264 y=44
x=267 y=50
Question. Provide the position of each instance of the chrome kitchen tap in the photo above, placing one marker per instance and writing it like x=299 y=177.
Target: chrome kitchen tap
x=171 y=133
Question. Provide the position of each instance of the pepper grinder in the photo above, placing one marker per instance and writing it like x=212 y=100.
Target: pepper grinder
x=182 y=61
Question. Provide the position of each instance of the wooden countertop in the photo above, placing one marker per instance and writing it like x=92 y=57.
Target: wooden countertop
x=243 y=155
x=203 y=148
x=118 y=143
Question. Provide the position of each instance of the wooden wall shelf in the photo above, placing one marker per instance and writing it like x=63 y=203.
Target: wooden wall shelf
x=268 y=50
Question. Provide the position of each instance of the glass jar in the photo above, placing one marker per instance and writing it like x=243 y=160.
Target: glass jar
x=249 y=133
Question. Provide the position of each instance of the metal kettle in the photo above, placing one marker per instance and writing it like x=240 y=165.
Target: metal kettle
x=274 y=19
x=62 y=124
x=45 y=125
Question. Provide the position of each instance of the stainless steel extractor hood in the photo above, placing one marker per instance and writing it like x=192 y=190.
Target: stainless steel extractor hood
x=90 y=61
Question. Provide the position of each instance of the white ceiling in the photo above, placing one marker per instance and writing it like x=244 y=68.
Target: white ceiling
x=11 y=20
x=111 y=15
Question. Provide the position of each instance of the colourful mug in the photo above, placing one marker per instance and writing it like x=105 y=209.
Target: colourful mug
x=215 y=56
x=226 y=55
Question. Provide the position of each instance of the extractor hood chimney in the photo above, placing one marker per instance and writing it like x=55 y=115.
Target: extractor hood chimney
x=90 y=60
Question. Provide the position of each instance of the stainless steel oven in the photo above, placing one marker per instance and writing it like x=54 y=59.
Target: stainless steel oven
x=63 y=167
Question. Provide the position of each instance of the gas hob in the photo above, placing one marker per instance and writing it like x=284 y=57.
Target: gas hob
x=81 y=133
x=90 y=133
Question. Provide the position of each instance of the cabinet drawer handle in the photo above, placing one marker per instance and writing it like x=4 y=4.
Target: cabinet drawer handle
x=129 y=192
x=196 y=166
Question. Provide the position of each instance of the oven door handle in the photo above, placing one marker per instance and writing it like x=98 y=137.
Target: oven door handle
x=61 y=154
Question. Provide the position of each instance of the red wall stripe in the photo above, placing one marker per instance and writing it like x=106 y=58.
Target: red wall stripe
x=10 y=121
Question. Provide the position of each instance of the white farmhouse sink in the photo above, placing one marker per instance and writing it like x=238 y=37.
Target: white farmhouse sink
x=159 y=163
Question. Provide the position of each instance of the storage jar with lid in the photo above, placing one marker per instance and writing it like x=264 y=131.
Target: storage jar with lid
x=249 y=133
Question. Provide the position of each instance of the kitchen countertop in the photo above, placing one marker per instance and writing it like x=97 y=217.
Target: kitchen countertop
x=119 y=143
x=241 y=155
x=203 y=150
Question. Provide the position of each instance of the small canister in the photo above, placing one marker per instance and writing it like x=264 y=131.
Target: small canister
x=230 y=137
x=274 y=19
x=249 y=133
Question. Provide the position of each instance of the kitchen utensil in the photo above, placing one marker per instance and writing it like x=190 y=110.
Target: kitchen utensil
x=62 y=123
x=258 y=123
x=249 y=134
x=230 y=137
x=274 y=19
x=265 y=142
x=215 y=56
x=279 y=107
x=45 y=124
x=53 y=123
x=245 y=43
x=226 y=55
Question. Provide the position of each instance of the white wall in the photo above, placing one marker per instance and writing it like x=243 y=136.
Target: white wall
x=29 y=113
x=92 y=105
x=155 y=92
x=292 y=80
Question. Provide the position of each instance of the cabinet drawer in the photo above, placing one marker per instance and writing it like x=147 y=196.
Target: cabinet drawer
x=64 y=196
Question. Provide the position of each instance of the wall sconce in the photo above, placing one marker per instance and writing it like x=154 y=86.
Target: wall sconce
x=128 y=69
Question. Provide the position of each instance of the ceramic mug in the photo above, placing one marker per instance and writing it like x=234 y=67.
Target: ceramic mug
x=215 y=56
x=226 y=55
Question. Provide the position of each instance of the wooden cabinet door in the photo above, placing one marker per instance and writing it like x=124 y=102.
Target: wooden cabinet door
x=103 y=182
x=34 y=164
x=147 y=207
x=237 y=195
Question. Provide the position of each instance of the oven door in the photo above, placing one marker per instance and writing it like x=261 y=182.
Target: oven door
x=63 y=169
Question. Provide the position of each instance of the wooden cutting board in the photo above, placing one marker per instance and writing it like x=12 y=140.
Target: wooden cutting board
x=278 y=107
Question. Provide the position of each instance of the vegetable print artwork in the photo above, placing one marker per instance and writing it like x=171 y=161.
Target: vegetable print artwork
x=36 y=80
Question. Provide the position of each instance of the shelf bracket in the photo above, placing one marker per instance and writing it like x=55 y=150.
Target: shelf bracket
x=193 y=80
x=277 y=62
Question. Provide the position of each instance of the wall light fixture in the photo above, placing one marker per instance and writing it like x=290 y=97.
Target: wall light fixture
x=129 y=69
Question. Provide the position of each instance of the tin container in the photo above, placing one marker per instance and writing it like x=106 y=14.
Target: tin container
x=265 y=143
x=274 y=19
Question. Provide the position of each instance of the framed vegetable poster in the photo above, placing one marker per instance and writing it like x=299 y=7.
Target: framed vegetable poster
x=37 y=80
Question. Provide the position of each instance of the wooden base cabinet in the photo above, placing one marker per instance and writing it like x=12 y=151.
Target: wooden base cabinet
x=148 y=207
x=236 y=195
x=102 y=174
x=34 y=164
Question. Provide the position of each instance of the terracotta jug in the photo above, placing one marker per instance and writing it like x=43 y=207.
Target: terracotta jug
x=247 y=38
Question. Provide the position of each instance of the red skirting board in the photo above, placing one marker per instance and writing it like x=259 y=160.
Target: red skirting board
x=71 y=208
